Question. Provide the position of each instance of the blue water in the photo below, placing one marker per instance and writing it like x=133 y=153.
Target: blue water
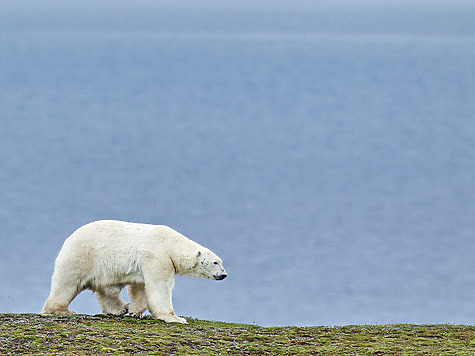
x=333 y=173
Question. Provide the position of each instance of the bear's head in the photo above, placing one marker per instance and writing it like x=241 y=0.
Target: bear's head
x=207 y=265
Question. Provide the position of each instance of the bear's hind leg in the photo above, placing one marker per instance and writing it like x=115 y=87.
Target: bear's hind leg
x=110 y=300
x=59 y=299
x=138 y=300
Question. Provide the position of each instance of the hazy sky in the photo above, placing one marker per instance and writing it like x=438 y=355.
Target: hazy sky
x=408 y=16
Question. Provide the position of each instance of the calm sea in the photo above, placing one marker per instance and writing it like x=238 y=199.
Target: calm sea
x=334 y=174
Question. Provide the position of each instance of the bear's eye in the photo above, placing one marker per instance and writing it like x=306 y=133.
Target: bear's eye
x=215 y=263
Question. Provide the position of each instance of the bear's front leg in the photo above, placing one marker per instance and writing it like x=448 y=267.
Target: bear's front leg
x=159 y=301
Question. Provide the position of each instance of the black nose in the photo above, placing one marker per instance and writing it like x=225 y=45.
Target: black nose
x=220 y=277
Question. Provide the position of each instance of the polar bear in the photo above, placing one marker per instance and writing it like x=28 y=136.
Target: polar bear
x=104 y=256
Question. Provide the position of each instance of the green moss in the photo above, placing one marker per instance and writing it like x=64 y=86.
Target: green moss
x=82 y=334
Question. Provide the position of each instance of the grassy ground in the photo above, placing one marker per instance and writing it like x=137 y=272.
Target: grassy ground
x=84 y=334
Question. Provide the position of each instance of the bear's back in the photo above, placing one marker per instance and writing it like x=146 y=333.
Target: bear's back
x=116 y=236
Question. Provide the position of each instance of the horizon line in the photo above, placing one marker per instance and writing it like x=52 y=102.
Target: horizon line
x=291 y=36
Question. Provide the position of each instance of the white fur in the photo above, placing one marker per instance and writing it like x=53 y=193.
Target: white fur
x=104 y=256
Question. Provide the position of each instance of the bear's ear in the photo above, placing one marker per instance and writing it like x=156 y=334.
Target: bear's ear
x=196 y=259
x=186 y=262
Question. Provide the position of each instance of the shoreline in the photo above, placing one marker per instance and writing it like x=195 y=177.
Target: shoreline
x=101 y=334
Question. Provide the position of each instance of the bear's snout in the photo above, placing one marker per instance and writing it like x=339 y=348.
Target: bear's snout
x=220 y=277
